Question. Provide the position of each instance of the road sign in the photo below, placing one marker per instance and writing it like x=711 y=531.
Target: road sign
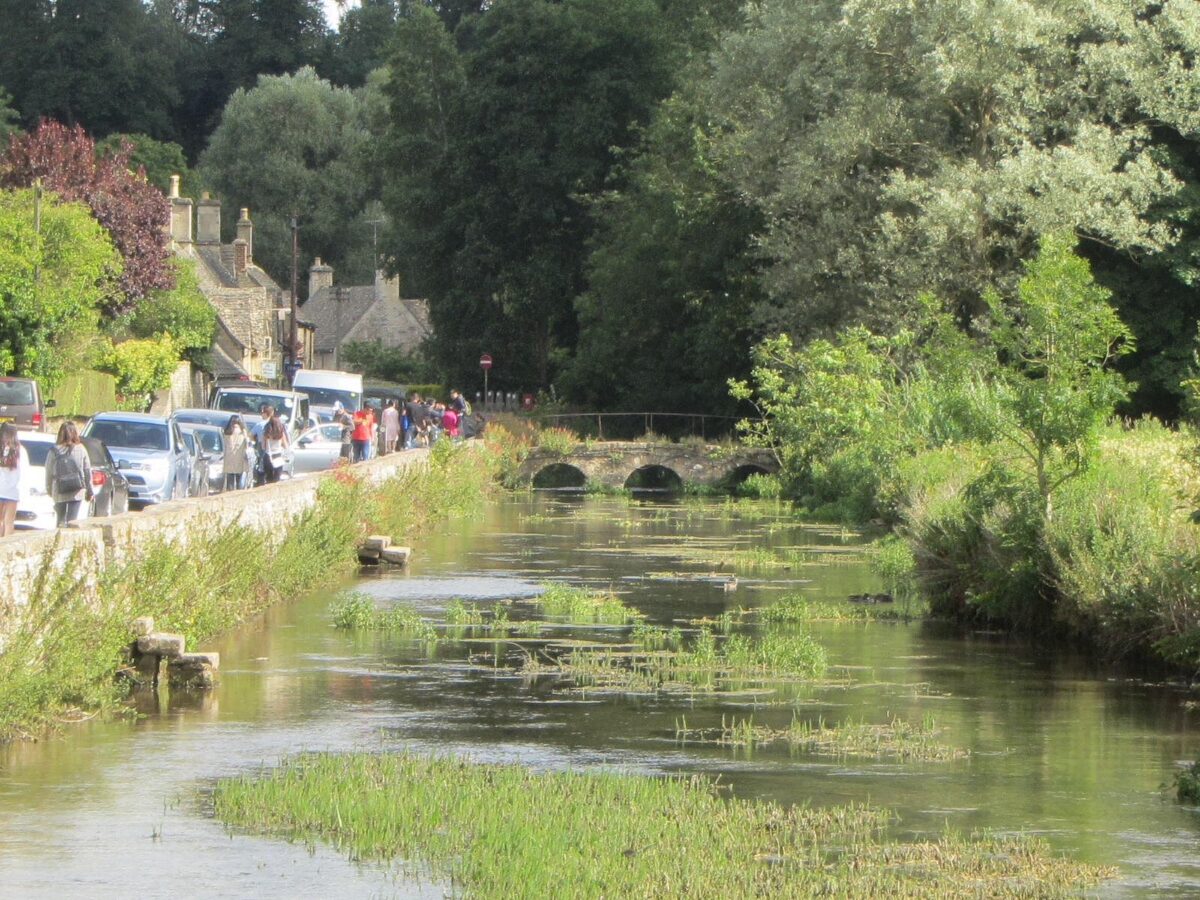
x=485 y=362
x=268 y=369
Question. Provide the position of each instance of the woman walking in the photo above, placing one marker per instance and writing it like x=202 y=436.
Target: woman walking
x=391 y=426
x=14 y=463
x=275 y=444
x=237 y=454
x=68 y=474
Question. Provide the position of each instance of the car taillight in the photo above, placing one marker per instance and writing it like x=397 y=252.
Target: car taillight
x=98 y=478
x=37 y=418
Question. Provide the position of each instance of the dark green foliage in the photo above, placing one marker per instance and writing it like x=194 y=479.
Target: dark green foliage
x=385 y=363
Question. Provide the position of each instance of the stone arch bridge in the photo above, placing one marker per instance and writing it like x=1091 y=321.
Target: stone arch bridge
x=615 y=463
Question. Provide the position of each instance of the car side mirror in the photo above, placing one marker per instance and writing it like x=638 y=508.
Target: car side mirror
x=50 y=404
x=304 y=442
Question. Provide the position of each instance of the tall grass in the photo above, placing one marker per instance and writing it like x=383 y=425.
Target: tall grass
x=504 y=831
x=60 y=661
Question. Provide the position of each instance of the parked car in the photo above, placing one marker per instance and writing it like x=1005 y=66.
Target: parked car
x=109 y=487
x=292 y=406
x=317 y=449
x=21 y=403
x=211 y=441
x=325 y=387
x=198 y=479
x=194 y=416
x=150 y=453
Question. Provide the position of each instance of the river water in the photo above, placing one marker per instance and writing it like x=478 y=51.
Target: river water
x=1057 y=746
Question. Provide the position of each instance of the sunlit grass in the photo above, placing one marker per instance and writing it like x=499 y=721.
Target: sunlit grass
x=581 y=605
x=895 y=739
x=798 y=608
x=503 y=831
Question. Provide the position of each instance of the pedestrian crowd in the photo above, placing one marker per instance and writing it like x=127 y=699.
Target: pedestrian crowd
x=415 y=422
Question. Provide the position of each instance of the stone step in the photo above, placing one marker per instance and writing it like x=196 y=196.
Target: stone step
x=396 y=556
x=376 y=542
x=194 y=670
x=161 y=644
x=143 y=626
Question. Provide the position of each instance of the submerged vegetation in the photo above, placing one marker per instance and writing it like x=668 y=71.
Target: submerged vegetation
x=59 y=661
x=896 y=738
x=576 y=604
x=504 y=831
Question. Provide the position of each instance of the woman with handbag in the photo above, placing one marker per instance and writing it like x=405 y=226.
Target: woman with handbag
x=68 y=474
x=275 y=443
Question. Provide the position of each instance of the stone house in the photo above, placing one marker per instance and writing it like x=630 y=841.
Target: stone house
x=360 y=313
x=252 y=310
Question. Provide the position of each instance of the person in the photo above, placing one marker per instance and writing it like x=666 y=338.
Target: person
x=405 y=424
x=450 y=422
x=14 y=466
x=237 y=454
x=416 y=418
x=363 y=422
x=68 y=474
x=343 y=418
x=265 y=411
x=274 y=447
x=391 y=427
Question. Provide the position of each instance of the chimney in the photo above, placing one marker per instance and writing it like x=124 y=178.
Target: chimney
x=245 y=232
x=181 y=214
x=319 y=276
x=386 y=288
x=208 y=220
x=241 y=256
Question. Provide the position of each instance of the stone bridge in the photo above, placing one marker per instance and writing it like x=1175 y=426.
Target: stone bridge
x=615 y=463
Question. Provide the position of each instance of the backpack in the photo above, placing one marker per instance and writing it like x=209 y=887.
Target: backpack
x=68 y=475
x=466 y=406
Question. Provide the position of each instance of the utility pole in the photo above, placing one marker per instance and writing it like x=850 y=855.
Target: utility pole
x=295 y=277
x=375 y=223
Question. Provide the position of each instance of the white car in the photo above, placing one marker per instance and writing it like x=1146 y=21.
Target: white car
x=317 y=449
x=36 y=509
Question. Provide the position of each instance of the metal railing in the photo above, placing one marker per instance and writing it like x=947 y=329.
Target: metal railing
x=626 y=424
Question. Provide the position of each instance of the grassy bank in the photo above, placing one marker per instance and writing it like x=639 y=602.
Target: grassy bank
x=60 y=662
x=504 y=831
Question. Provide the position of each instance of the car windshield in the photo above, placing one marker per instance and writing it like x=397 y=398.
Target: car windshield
x=251 y=402
x=210 y=440
x=131 y=435
x=37 y=451
x=350 y=400
x=16 y=393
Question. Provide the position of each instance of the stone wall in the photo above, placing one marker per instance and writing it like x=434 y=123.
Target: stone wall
x=29 y=555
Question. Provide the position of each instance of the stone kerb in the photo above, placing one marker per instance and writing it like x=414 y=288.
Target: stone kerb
x=25 y=556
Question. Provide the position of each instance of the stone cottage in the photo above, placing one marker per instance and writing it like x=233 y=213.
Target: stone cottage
x=253 y=311
x=360 y=313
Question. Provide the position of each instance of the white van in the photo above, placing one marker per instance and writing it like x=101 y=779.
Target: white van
x=292 y=406
x=326 y=387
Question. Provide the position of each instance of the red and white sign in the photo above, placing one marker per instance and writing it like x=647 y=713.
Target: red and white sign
x=485 y=362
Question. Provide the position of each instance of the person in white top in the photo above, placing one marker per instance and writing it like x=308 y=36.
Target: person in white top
x=14 y=463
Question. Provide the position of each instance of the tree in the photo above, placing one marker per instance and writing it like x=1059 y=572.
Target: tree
x=141 y=367
x=671 y=282
x=361 y=43
x=134 y=213
x=57 y=270
x=294 y=145
x=159 y=160
x=182 y=314
x=253 y=38
x=548 y=91
x=894 y=147
x=8 y=118
x=1056 y=385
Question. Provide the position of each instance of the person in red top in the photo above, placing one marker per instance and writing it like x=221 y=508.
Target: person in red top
x=450 y=423
x=364 y=427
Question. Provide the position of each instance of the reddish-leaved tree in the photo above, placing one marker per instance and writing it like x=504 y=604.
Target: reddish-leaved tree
x=133 y=212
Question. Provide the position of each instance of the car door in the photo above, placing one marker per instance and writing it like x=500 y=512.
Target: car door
x=318 y=448
x=182 y=464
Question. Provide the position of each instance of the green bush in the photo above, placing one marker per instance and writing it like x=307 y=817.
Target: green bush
x=84 y=394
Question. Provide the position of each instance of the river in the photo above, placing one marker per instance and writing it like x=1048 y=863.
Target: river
x=1058 y=746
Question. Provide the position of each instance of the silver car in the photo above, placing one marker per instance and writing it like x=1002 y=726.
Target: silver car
x=149 y=451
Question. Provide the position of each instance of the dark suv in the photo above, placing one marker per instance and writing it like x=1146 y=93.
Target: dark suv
x=21 y=403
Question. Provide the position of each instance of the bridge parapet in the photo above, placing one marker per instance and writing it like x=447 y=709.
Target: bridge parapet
x=613 y=463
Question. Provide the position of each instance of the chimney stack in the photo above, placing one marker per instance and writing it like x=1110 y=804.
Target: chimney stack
x=386 y=288
x=181 y=214
x=319 y=276
x=241 y=256
x=208 y=220
x=245 y=232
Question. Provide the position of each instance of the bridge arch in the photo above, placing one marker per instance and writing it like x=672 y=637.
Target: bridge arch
x=559 y=476
x=740 y=473
x=654 y=477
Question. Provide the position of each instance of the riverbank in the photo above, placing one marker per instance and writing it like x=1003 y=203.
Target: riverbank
x=198 y=568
